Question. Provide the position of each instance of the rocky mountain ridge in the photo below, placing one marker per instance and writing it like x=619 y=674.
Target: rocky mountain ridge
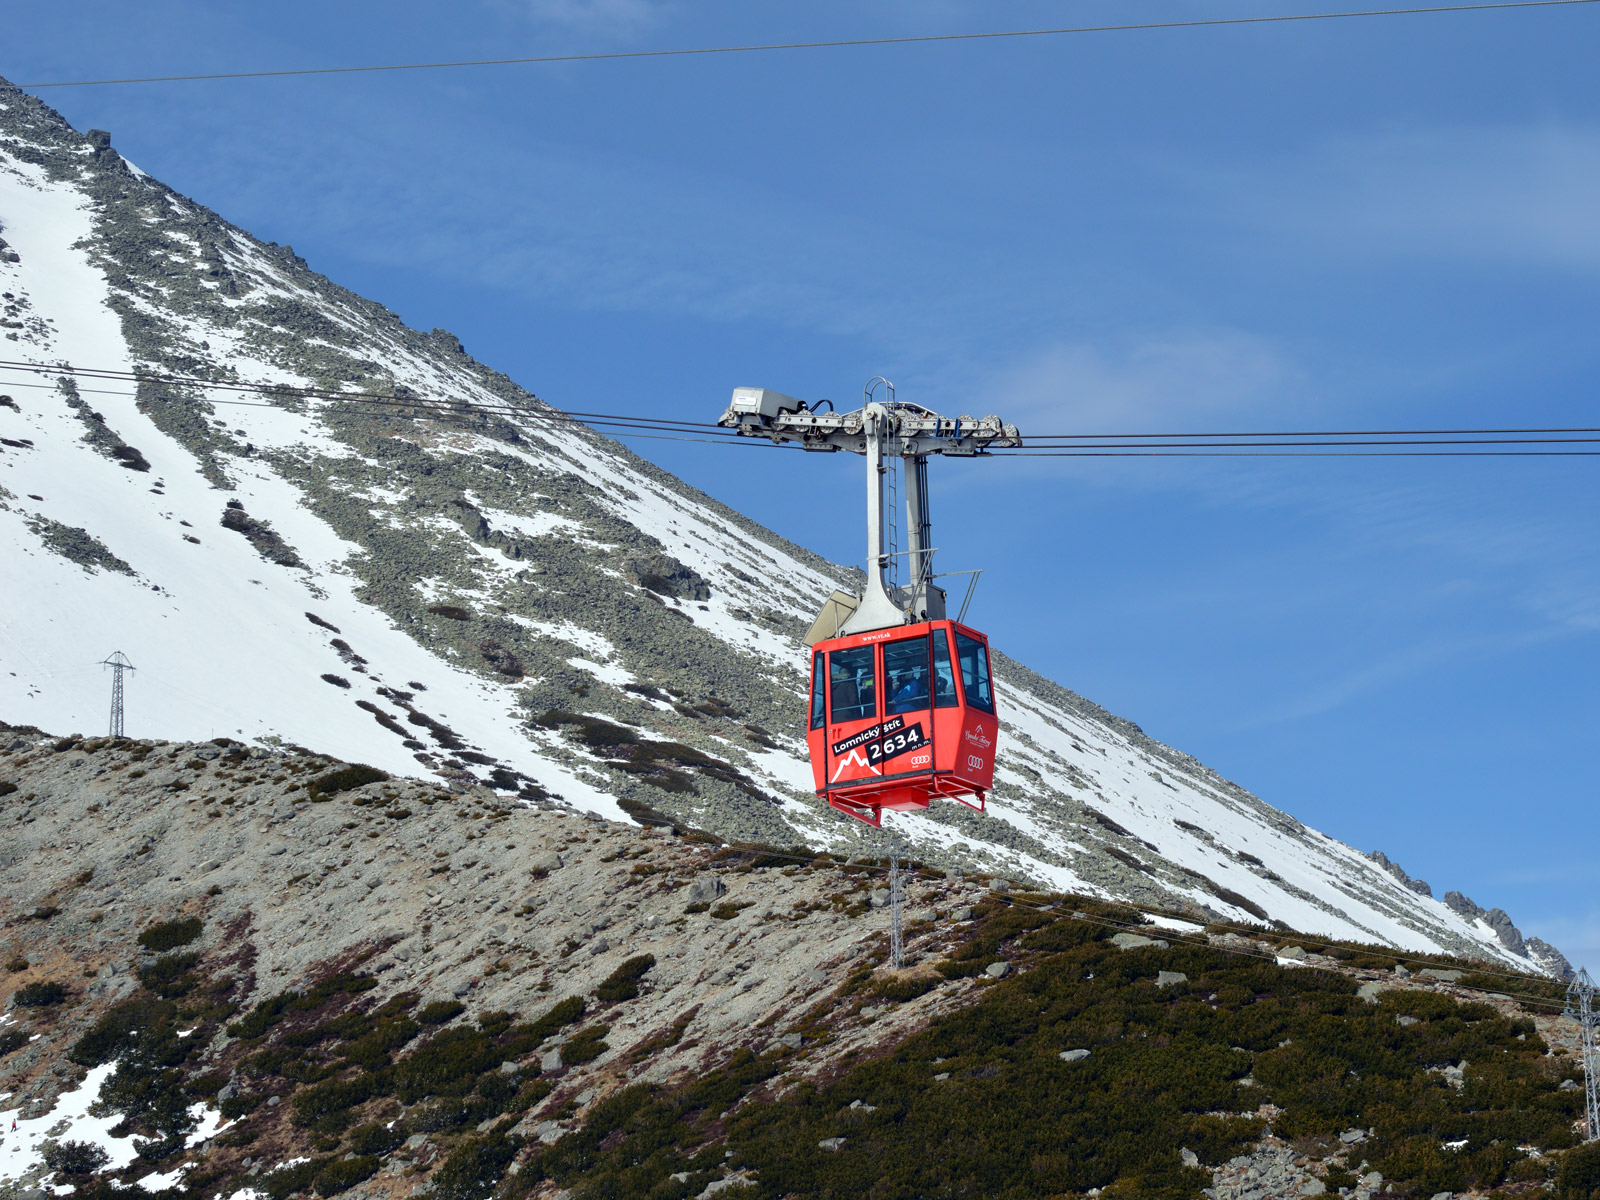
x=275 y=974
x=458 y=580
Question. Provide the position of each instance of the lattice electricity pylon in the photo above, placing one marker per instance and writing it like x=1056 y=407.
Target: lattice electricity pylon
x=897 y=950
x=118 y=662
x=1580 y=1006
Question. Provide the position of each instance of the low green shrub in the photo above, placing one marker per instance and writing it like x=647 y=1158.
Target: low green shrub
x=345 y=778
x=900 y=988
x=312 y=1104
x=585 y=1045
x=345 y=1173
x=169 y=975
x=283 y=1182
x=623 y=983
x=240 y=1105
x=169 y=935
x=75 y=1158
x=39 y=995
x=474 y=1168
x=1578 y=1176
x=440 y=1011
x=375 y=1138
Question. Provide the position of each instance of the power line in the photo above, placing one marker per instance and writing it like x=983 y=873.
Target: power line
x=833 y=44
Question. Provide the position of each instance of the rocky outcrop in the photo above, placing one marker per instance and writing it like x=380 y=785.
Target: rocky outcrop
x=1420 y=886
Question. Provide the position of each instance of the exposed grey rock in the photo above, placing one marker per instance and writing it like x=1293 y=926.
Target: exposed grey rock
x=878 y=897
x=1074 y=1055
x=1189 y=1157
x=962 y=913
x=550 y=1060
x=833 y=1143
x=997 y=970
x=1369 y=991
x=1297 y=953
x=76 y=544
x=1133 y=941
x=792 y=1040
x=1510 y=936
x=1548 y=958
x=1444 y=974
x=706 y=889
x=1170 y=978
x=548 y=861
x=1462 y=906
x=1393 y=868
x=509 y=1068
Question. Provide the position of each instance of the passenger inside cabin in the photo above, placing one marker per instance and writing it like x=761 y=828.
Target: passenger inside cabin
x=912 y=694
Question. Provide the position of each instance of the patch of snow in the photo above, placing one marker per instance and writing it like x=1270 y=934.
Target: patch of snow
x=69 y=1120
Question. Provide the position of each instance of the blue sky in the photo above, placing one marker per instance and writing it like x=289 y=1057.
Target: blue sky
x=1377 y=223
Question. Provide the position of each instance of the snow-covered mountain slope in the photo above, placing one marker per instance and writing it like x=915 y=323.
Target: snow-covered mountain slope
x=500 y=596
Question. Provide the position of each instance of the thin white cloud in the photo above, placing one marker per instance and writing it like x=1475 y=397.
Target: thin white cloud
x=1501 y=195
x=1147 y=384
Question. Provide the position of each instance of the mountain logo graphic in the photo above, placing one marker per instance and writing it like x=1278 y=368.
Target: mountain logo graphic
x=857 y=759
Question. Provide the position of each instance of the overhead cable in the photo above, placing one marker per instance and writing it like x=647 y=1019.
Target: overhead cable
x=1373 y=443
x=831 y=44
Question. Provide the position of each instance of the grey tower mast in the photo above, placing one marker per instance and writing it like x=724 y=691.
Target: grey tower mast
x=897 y=949
x=878 y=430
x=1580 y=1006
x=118 y=662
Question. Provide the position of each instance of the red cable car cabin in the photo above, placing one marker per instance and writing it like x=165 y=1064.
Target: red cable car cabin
x=902 y=716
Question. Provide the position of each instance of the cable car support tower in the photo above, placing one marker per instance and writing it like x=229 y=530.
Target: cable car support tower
x=1580 y=1007
x=879 y=430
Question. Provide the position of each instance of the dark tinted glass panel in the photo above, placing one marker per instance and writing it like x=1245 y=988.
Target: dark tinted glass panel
x=853 y=680
x=944 y=680
x=819 y=677
x=974 y=656
x=905 y=675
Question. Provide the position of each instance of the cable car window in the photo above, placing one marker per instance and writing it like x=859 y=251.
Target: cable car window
x=944 y=679
x=819 y=676
x=853 y=679
x=905 y=675
x=974 y=656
